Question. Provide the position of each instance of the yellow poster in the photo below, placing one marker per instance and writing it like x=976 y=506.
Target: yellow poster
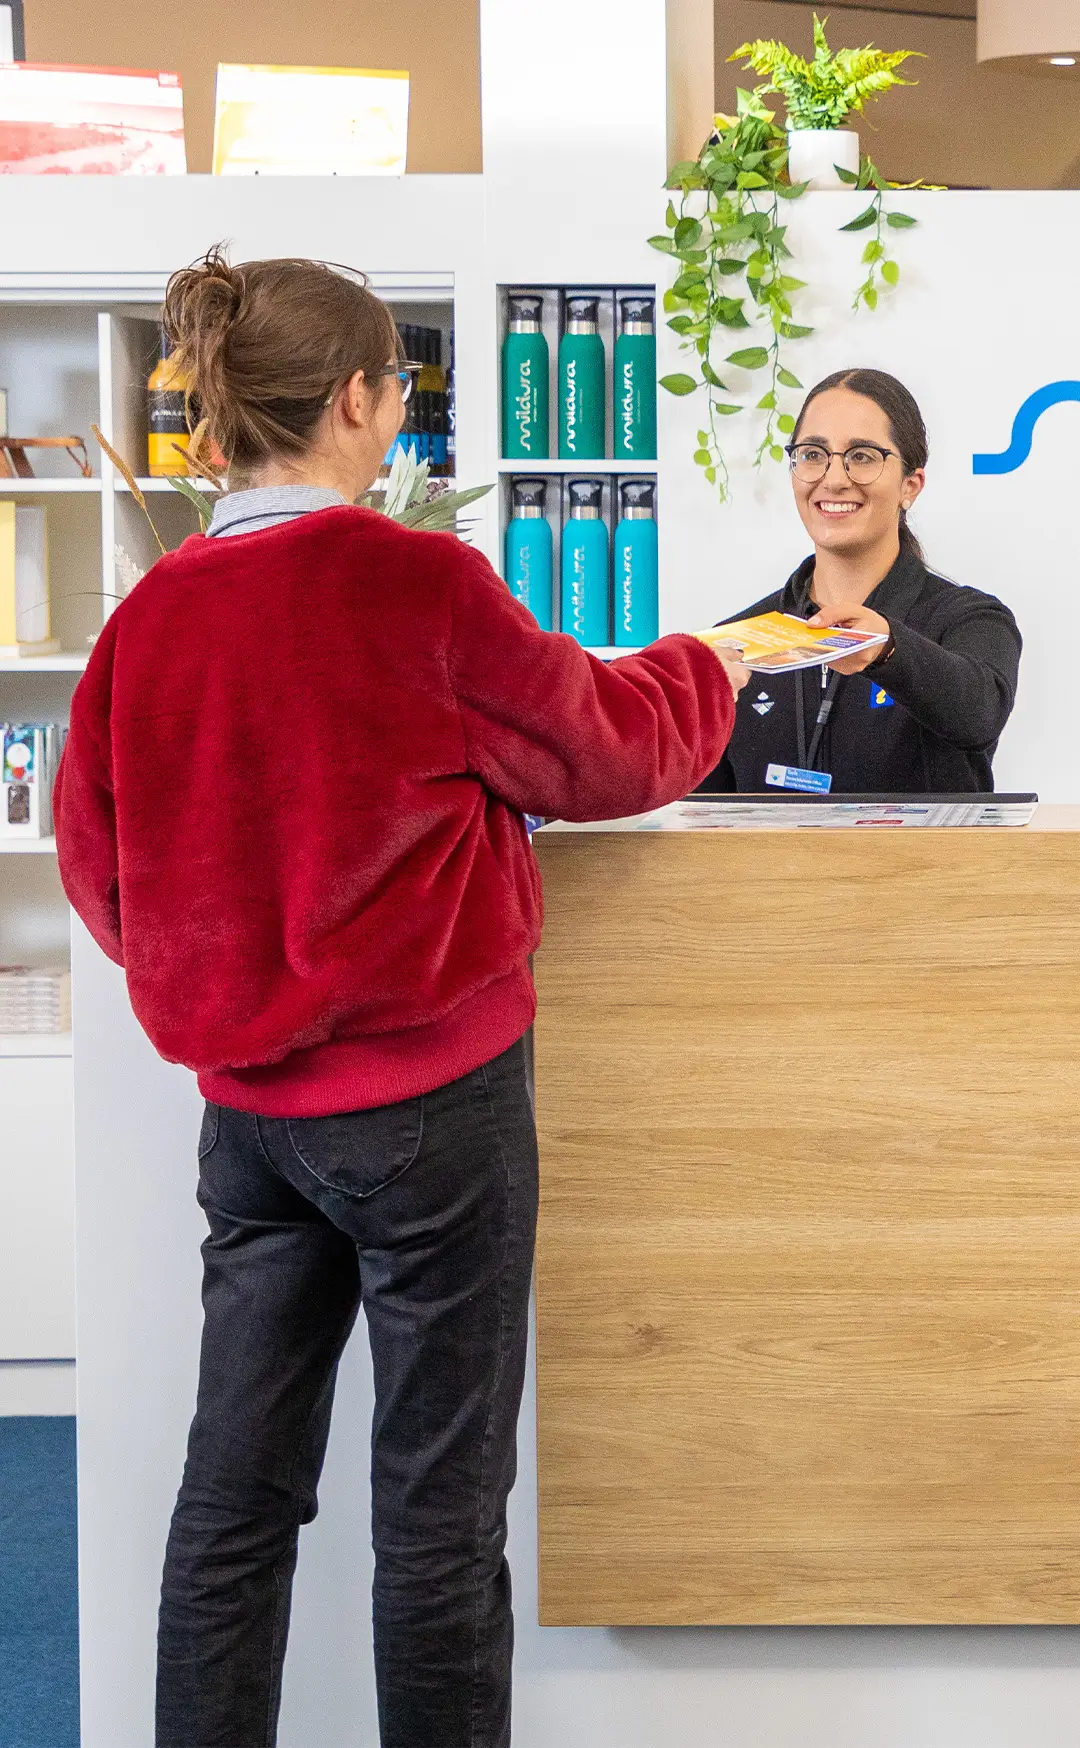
x=310 y=121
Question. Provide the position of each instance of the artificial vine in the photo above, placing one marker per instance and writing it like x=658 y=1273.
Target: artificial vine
x=875 y=255
x=726 y=226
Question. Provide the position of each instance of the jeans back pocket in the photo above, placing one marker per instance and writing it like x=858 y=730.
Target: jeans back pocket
x=208 y=1133
x=359 y=1153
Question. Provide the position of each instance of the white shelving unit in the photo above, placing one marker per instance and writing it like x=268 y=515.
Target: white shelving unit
x=50 y=365
x=607 y=469
x=73 y=355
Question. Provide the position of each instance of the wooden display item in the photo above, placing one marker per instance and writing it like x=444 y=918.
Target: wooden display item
x=15 y=464
x=808 y=1341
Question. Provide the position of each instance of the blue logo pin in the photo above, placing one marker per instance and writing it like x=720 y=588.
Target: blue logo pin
x=879 y=698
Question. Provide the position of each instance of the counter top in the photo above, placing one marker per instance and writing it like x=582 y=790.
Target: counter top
x=692 y=816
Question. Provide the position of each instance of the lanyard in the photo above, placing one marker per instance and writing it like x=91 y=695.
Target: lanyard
x=830 y=687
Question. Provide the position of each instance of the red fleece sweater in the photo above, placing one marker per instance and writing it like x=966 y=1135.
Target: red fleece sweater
x=290 y=801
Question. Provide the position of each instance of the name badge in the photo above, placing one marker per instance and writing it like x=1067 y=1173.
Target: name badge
x=791 y=777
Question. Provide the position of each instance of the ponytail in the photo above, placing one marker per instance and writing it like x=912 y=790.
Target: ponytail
x=909 y=541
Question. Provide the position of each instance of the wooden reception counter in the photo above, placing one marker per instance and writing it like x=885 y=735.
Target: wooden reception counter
x=809 y=1263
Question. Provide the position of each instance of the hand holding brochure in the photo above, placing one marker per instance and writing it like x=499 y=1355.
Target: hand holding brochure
x=780 y=642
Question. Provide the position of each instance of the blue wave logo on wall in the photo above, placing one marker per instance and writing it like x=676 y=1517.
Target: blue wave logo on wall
x=1024 y=428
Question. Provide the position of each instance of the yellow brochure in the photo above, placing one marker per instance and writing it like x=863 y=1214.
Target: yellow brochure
x=780 y=642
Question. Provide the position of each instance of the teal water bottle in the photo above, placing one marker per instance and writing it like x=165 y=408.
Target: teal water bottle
x=585 y=564
x=637 y=570
x=525 y=382
x=581 y=383
x=635 y=380
x=529 y=550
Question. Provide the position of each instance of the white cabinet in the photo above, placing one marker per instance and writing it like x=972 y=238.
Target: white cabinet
x=37 y=1212
x=72 y=357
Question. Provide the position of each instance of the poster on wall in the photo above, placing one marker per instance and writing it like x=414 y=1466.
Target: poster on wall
x=90 y=121
x=310 y=121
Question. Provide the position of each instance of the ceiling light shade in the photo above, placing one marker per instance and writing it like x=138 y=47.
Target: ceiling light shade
x=1039 y=33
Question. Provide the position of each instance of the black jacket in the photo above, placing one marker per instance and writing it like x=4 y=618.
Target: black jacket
x=926 y=720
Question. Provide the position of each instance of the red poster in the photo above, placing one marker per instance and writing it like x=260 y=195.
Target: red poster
x=90 y=121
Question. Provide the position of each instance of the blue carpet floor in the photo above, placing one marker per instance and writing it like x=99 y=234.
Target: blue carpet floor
x=39 y=1649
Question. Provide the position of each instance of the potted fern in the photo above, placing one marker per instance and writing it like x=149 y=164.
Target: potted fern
x=819 y=96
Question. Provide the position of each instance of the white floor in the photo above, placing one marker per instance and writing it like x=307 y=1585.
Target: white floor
x=37 y=1387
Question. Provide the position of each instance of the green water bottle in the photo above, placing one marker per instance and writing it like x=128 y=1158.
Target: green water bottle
x=635 y=381
x=525 y=381
x=581 y=383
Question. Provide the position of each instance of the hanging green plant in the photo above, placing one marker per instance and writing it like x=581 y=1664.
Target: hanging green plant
x=726 y=226
x=876 y=257
x=724 y=229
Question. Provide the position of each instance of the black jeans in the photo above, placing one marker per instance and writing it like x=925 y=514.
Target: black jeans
x=425 y=1211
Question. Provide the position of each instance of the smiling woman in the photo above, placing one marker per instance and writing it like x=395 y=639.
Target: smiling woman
x=922 y=712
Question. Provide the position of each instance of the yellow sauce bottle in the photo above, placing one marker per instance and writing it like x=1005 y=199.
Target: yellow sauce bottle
x=169 y=437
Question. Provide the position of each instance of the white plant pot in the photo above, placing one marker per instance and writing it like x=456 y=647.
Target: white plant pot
x=813 y=154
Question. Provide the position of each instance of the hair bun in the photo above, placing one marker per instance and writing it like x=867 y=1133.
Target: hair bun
x=203 y=297
x=264 y=345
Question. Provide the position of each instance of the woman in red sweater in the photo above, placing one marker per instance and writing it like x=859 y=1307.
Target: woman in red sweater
x=290 y=805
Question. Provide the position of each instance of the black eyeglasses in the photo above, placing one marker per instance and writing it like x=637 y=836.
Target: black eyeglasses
x=863 y=462
x=406 y=373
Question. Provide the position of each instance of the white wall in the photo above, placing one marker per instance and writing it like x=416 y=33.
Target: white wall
x=971 y=337
x=138 y=1229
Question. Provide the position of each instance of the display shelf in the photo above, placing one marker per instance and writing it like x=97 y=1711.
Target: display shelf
x=68 y=661
x=35 y=1044
x=27 y=847
x=31 y=487
x=608 y=651
x=526 y=469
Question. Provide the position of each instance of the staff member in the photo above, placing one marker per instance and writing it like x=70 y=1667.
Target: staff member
x=921 y=713
x=290 y=805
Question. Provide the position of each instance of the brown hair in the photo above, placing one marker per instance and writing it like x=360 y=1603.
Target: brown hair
x=906 y=428
x=265 y=344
